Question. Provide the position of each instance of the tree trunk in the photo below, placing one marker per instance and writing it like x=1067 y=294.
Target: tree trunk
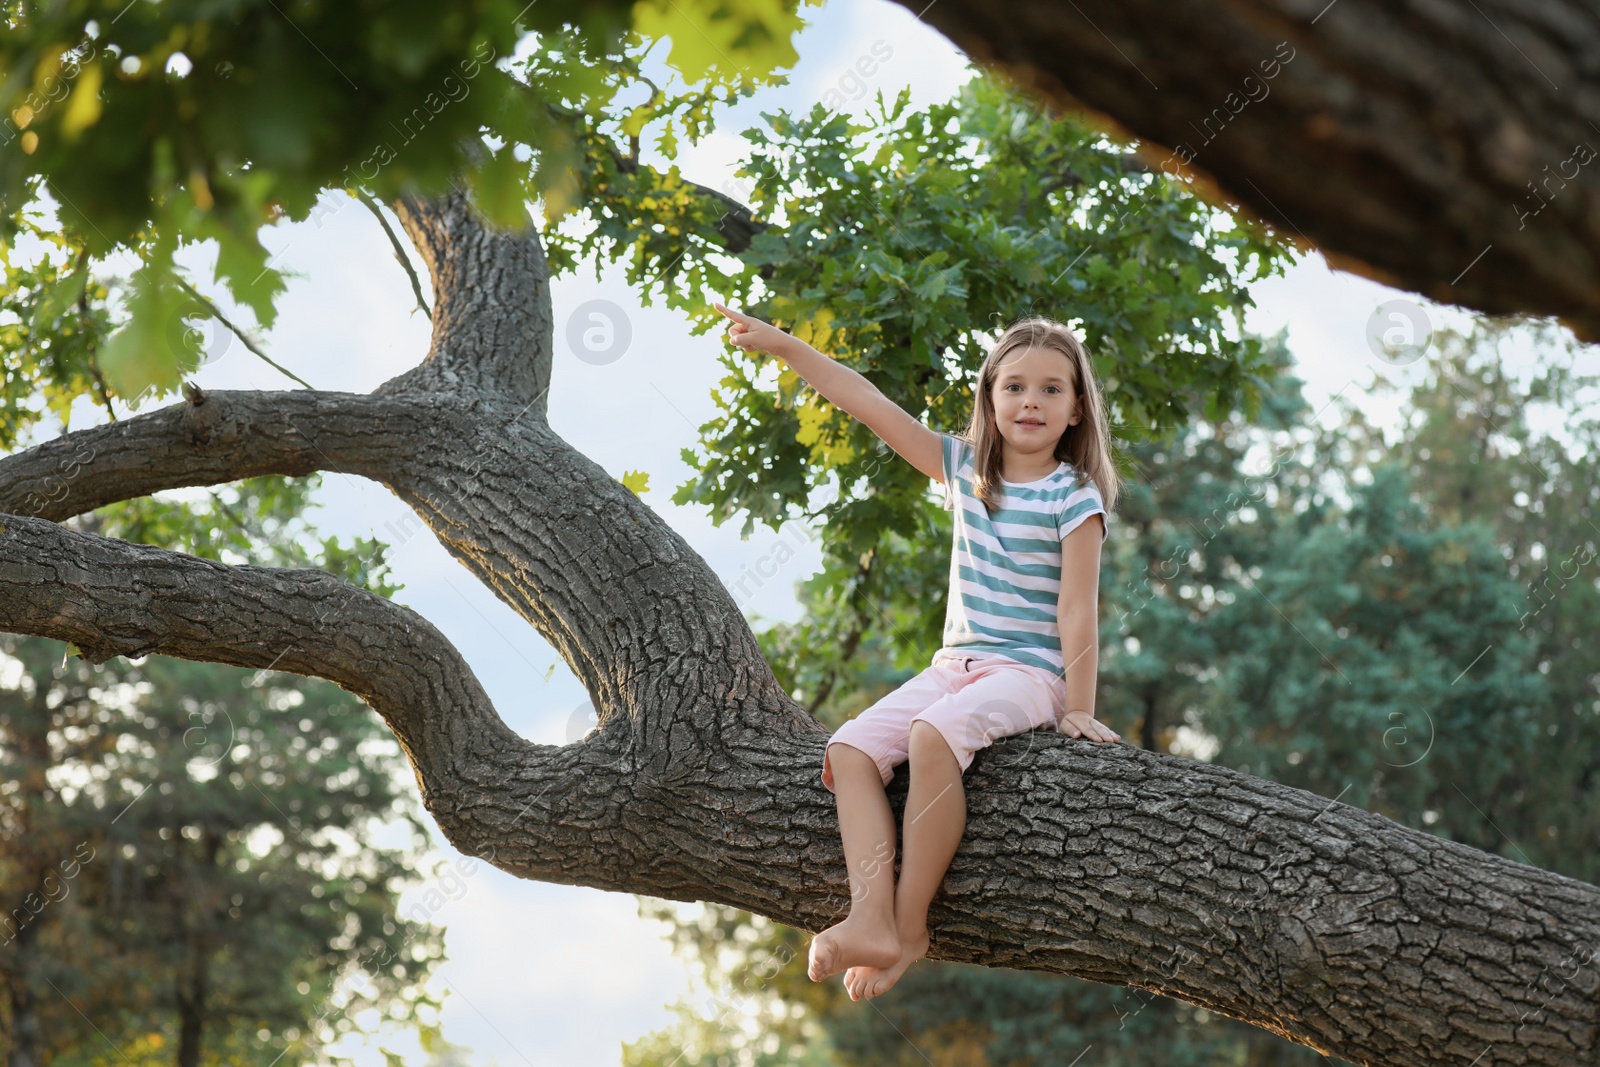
x=1448 y=149
x=1312 y=919
x=188 y=1032
x=1147 y=726
x=31 y=855
x=24 y=1027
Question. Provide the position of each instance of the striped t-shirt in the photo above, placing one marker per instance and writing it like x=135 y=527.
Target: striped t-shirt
x=1005 y=568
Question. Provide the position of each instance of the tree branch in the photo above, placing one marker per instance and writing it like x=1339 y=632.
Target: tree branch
x=399 y=250
x=1315 y=920
x=255 y=349
x=1447 y=150
x=493 y=324
x=114 y=598
x=611 y=586
x=211 y=439
x=738 y=225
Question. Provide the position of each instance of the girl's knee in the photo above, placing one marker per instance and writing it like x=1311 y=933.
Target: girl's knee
x=843 y=752
x=927 y=740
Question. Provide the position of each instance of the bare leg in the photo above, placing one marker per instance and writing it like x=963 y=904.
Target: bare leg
x=866 y=824
x=936 y=817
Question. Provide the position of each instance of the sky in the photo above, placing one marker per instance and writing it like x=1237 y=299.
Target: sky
x=545 y=975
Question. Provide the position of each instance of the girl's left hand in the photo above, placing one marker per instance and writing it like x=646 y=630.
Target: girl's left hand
x=1084 y=724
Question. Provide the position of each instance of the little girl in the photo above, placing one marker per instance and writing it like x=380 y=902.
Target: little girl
x=1030 y=483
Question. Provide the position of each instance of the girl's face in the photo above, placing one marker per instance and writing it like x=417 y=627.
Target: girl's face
x=1035 y=398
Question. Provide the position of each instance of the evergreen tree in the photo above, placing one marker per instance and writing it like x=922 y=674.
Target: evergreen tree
x=188 y=843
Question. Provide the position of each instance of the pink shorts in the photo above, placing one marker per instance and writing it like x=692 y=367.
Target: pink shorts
x=971 y=698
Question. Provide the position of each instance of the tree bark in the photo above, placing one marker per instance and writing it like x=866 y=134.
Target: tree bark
x=1312 y=919
x=1449 y=149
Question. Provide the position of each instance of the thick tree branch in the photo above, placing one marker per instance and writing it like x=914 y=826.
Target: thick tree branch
x=113 y=598
x=212 y=439
x=621 y=595
x=1452 y=150
x=1312 y=919
x=493 y=324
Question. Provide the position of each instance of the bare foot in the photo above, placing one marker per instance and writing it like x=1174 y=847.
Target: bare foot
x=851 y=943
x=865 y=982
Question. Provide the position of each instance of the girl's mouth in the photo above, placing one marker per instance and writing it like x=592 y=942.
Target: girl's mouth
x=1030 y=424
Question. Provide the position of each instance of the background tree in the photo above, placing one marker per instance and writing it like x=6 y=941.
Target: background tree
x=188 y=864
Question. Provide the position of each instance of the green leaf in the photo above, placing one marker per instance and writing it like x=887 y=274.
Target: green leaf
x=142 y=357
x=243 y=264
x=500 y=189
x=712 y=38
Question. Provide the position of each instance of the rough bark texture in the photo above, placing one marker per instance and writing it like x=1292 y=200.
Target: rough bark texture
x=1431 y=146
x=1312 y=919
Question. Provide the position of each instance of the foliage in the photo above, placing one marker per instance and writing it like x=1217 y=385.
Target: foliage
x=191 y=841
x=153 y=126
x=897 y=246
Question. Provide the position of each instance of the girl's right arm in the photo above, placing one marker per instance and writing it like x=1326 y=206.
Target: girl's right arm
x=846 y=389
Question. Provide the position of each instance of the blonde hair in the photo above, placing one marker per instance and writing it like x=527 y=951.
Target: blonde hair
x=1087 y=445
